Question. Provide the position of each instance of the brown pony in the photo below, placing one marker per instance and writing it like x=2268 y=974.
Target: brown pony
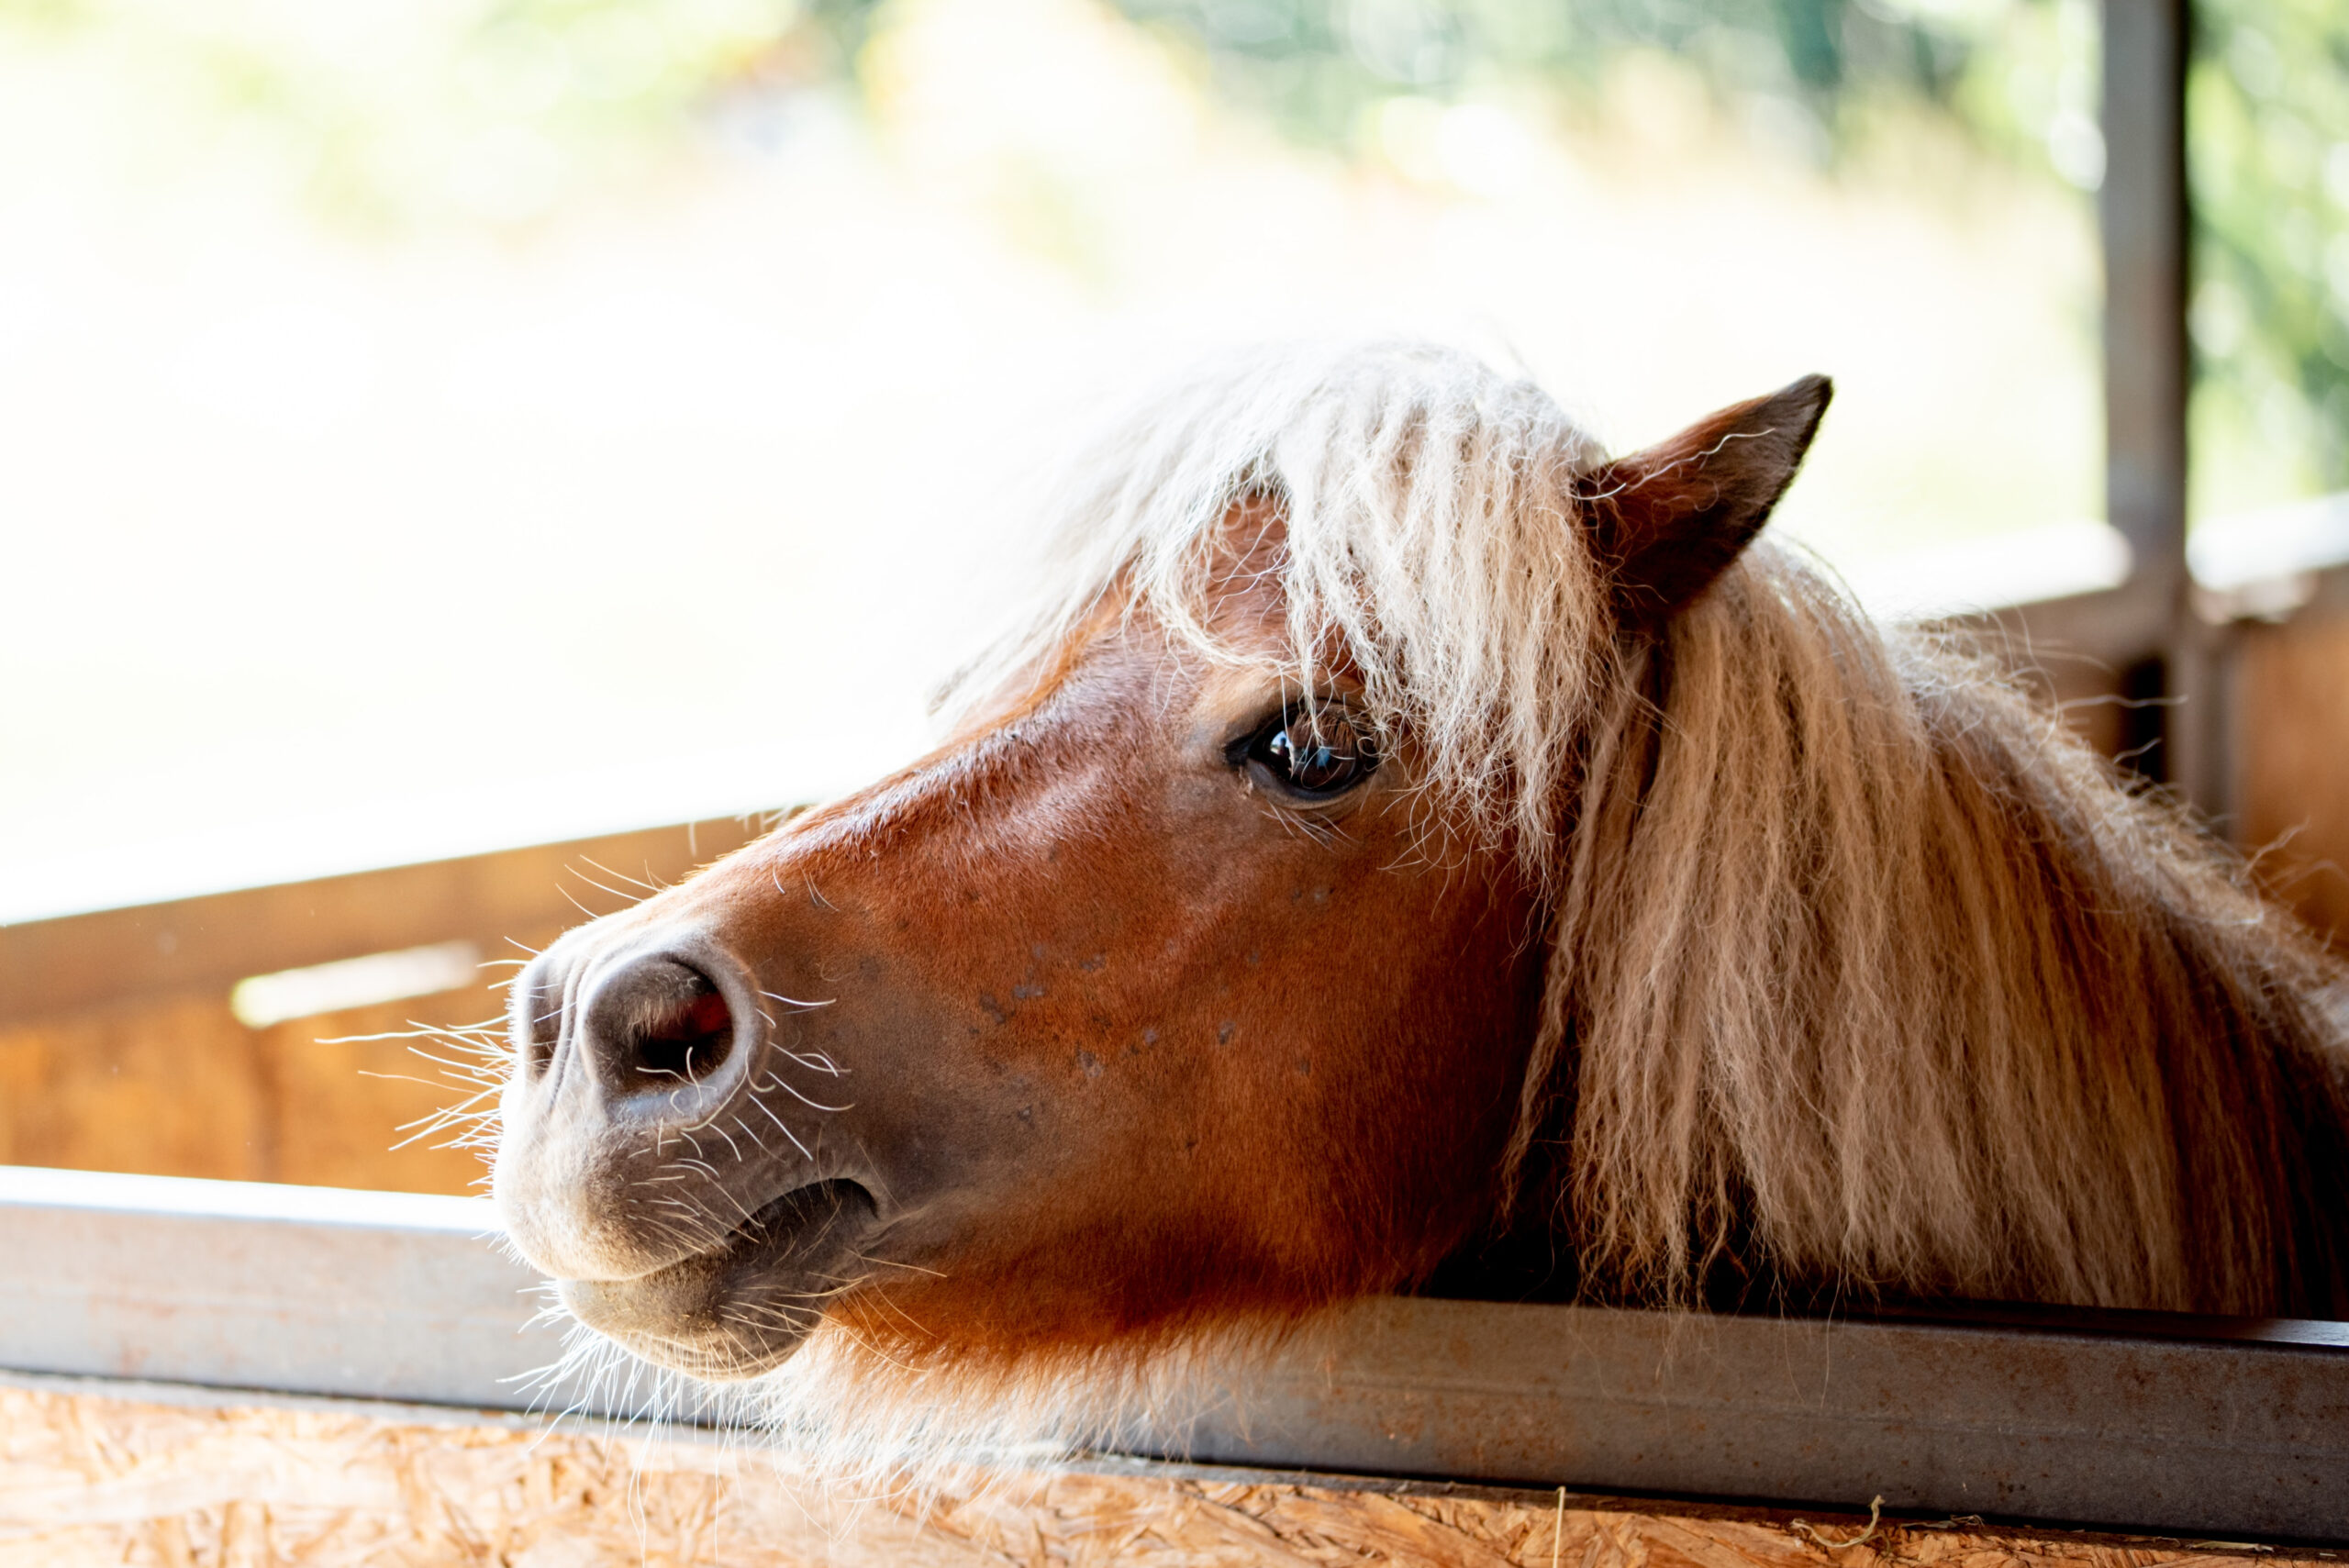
x=1404 y=845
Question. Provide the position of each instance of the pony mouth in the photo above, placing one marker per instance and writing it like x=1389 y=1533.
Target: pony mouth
x=744 y=1305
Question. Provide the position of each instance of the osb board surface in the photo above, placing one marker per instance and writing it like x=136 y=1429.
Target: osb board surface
x=93 y=1479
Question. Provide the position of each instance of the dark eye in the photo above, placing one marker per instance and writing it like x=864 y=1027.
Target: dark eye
x=1310 y=759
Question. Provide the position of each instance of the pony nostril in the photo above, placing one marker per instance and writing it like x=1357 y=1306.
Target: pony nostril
x=662 y=1022
x=654 y=1024
x=687 y=1039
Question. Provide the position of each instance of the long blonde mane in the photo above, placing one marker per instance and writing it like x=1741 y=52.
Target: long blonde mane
x=1862 y=967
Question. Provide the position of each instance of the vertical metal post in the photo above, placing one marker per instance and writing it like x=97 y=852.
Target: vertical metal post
x=2144 y=222
x=2144 y=214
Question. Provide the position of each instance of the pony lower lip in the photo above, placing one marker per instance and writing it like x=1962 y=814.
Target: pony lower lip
x=793 y=1222
x=790 y=1214
x=783 y=1261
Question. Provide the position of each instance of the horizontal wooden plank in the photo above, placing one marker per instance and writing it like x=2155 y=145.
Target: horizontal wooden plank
x=175 y=1086
x=49 y=967
x=2144 y=1422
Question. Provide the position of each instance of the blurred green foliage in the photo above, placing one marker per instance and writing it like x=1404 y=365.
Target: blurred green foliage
x=2267 y=126
x=2267 y=117
x=1315 y=63
x=381 y=99
x=2267 y=106
x=495 y=108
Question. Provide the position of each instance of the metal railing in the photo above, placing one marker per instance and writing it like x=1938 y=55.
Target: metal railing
x=2138 y=1419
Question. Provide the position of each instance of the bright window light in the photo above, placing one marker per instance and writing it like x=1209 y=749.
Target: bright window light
x=263 y=1000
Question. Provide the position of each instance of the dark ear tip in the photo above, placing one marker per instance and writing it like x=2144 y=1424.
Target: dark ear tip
x=1817 y=391
x=1806 y=400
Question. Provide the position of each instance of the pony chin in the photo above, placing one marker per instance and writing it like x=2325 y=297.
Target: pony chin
x=873 y=1419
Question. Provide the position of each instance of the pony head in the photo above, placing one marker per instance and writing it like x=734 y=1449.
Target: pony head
x=1394 y=820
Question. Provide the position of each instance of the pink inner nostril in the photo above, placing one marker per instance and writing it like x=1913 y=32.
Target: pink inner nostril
x=687 y=1039
x=703 y=1015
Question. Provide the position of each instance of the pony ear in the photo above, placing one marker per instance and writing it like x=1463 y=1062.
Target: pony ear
x=1670 y=518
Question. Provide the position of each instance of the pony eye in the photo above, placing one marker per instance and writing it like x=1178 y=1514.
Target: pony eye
x=1308 y=761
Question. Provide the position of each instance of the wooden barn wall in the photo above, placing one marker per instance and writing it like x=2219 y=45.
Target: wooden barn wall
x=2279 y=789
x=2290 y=736
x=94 y=1478
x=176 y=1087
x=118 y=1051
